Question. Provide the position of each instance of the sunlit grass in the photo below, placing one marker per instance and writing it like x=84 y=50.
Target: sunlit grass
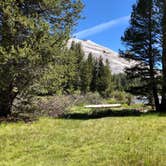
x=102 y=142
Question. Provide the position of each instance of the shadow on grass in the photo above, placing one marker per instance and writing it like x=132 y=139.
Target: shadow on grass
x=109 y=113
x=18 y=118
x=96 y=114
x=102 y=114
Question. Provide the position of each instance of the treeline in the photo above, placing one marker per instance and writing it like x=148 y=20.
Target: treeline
x=76 y=73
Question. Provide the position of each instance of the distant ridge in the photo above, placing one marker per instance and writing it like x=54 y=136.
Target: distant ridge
x=117 y=64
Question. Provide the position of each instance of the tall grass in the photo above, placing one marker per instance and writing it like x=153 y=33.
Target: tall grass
x=102 y=142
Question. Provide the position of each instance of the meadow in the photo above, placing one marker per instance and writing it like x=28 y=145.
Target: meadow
x=109 y=141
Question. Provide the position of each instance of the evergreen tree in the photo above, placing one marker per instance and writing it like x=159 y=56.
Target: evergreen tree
x=143 y=47
x=93 y=85
x=108 y=79
x=90 y=60
x=86 y=74
x=103 y=80
x=31 y=35
x=120 y=82
x=59 y=77
x=78 y=54
x=85 y=77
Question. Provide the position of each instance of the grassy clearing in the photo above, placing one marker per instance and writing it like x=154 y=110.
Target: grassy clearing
x=109 y=141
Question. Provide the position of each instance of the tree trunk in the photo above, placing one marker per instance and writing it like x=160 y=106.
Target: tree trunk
x=154 y=85
x=163 y=102
x=151 y=61
x=6 y=102
x=156 y=98
x=5 y=105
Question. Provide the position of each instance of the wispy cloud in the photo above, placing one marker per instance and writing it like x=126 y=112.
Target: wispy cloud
x=101 y=27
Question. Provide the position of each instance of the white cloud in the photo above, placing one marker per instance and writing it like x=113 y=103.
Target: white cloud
x=101 y=27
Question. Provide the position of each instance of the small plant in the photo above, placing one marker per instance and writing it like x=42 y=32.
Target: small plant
x=120 y=97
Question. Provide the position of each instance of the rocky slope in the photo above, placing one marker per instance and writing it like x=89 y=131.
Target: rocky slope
x=117 y=64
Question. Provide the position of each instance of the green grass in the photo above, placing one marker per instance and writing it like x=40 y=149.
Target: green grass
x=80 y=109
x=112 y=141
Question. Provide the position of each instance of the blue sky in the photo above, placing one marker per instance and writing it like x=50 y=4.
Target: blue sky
x=105 y=21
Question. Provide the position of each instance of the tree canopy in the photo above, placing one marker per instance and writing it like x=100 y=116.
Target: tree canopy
x=32 y=33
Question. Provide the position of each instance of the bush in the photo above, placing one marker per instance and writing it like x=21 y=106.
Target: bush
x=120 y=97
x=56 y=106
x=89 y=98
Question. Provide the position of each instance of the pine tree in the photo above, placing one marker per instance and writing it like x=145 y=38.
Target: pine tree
x=86 y=74
x=79 y=56
x=142 y=46
x=120 y=82
x=103 y=80
x=107 y=79
x=59 y=77
x=93 y=85
x=85 y=78
x=31 y=35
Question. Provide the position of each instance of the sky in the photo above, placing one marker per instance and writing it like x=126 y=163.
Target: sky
x=104 y=22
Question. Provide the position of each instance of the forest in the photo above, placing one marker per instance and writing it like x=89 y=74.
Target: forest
x=45 y=86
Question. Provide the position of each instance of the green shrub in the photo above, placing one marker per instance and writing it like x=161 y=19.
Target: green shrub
x=89 y=98
x=56 y=106
x=120 y=97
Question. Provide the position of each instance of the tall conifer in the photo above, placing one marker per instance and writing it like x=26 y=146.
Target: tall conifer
x=141 y=44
